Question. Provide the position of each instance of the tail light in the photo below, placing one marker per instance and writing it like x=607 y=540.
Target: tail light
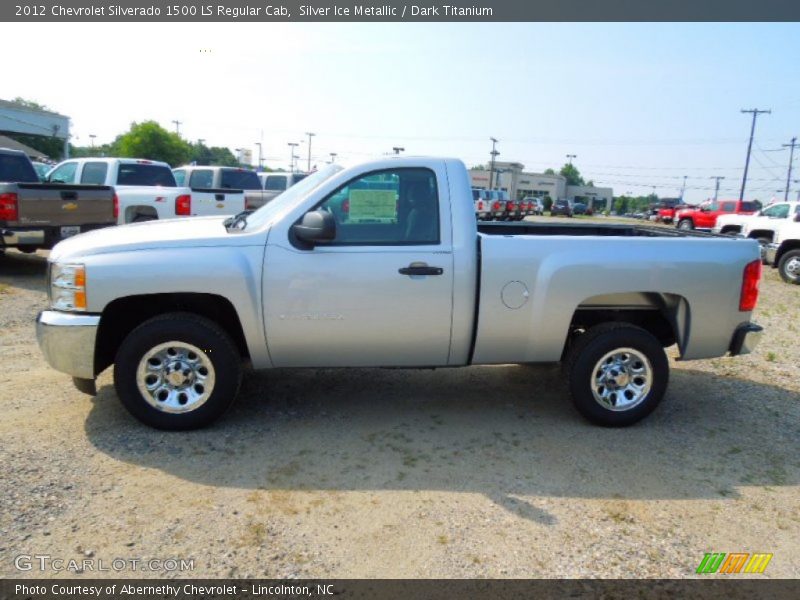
x=346 y=206
x=510 y=205
x=749 y=296
x=116 y=206
x=9 y=208
x=183 y=205
x=480 y=204
x=496 y=205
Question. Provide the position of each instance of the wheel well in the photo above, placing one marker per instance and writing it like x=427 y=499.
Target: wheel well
x=123 y=315
x=662 y=315
x=786 y=246
x=132 y=211
x=761 y=233
x=731 y=229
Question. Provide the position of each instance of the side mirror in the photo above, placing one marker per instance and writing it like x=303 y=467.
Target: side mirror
x=316 y=226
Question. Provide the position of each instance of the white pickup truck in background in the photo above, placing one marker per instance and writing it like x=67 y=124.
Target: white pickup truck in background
x=278 y=182
x=147 y=189
x=202 y=178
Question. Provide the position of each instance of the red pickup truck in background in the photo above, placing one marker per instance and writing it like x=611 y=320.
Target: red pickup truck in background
x=705 y=215
x=667 y=207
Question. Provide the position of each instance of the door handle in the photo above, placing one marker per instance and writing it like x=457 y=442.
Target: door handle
x=219 y=197
x=420 y=269
x=69 y=195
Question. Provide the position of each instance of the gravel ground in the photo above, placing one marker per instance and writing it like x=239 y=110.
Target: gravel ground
x=478 y=472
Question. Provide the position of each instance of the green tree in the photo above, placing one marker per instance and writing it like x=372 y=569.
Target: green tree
x=547 y=202
x=549 y=172
x=571 y=173
x=23 y=103
x=149 y=140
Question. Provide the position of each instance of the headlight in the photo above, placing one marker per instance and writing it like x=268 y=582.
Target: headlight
x=68 y=287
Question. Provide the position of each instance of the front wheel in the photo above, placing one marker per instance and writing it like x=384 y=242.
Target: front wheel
x=618 y=374
x=789 y=267
x=177 y=371
x=685 y=224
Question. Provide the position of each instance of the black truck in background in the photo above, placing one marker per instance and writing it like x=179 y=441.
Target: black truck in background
x=37 y=215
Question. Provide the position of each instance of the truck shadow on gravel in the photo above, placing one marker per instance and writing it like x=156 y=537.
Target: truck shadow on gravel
x=26 y=271
x=507 y=432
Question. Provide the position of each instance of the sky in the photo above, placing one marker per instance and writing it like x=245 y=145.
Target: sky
x=641 y=105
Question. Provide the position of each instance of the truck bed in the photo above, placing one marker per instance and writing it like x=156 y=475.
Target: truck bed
x=586 y=229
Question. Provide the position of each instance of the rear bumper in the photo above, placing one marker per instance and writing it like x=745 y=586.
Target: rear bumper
x=745 y=338
x=768 y=253
x=22 y=237
x=67 y=341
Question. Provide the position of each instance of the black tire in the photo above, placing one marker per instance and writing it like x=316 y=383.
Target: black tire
x=790 y=259
x=686 y=224
x=583 y=359
x=218 y=350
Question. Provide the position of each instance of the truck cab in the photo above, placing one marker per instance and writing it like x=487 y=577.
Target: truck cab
x=223 y=178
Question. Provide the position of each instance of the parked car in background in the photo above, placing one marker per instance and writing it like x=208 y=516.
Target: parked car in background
x=536 y=205
x=783 y=253
x=760 y=225
x=275 y=183
x=514 y=211
x=561 y=208
x=284 y=287
x=483 y=204
x=705 y=215
x=579 y=208
x=666 y=208
x=213 y=179
x=37 y=215
x=147 y=189
x=41 y=169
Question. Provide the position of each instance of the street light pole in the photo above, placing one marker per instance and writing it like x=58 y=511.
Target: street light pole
x=260 y=159
x=683 y=187
x=333 y=157
x=292 y=146
x=716 y=186
x=398 y=149
x=494 y=154
x=570 y=157
x=91 y=137
x=310 y=135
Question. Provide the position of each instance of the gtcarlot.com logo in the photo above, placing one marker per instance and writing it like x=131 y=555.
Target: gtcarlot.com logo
x=47 y=562
x=733 y=563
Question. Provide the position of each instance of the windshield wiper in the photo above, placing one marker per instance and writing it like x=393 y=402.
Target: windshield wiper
x=238 y=221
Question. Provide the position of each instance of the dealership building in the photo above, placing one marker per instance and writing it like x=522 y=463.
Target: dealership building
x=512 y=178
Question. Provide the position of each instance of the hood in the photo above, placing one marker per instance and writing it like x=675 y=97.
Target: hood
x=170 y=233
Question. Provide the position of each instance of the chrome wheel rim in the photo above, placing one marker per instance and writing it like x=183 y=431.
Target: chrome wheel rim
x=793 y=267
x=621 y=379
x=175 y=377
x=684 y=225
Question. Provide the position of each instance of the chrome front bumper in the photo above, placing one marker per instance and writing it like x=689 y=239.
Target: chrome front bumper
x=67 y=341
x=22 y=238
x=746 y=338
x=768 y=252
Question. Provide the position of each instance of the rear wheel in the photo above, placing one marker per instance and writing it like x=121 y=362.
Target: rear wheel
x=686 y=224
x=177 y=371
x=789 y=267
x=618 y=374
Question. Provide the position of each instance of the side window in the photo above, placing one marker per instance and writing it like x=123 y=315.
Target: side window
x=275 y=183
x=94 y=172
x=202 y=178
x=781 y=211
x=727 y=207
x=713 y=206
x=65 y=173
x=394 y=207
x=180 y=177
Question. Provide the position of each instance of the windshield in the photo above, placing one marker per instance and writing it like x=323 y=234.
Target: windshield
x=289 y=199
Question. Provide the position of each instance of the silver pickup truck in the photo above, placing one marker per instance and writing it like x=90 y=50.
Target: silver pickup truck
x=383 y=265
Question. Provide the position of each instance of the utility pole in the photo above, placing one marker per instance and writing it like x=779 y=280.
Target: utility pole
x=333 y=157
x=398 y=149
x=292 y=146
x=791 y=147
x=310 y=135
x=683 y=188
x=91 y=137
x=755 y=112
x=494 y=154
x=260 y=159
x=570 y=157
x=239 y=156
x=717 y=178
x=178 y=126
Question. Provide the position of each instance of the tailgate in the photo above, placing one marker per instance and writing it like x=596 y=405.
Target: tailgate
x=218 y=202
x=62 y=204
